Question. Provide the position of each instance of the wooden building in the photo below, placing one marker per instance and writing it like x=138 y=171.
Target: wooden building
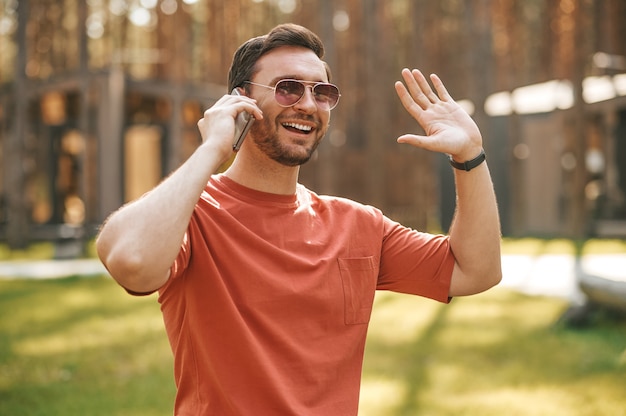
x=99 y=100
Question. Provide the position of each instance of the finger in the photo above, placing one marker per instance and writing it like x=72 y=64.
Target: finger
x=235 y=104
x=412 y=81
x=255 y=111
x=248 y=104
x=442 y=91
x=416 y=140
x=423 y=142
x=408 y=102
x=424 y=86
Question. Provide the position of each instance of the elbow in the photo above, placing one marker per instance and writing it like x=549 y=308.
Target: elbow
x=491 y=275
x=128 y=267
x=483 y=282
x=493 y=278
x=476 y=280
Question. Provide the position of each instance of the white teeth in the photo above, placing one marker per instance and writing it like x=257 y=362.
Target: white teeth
x=298 y=126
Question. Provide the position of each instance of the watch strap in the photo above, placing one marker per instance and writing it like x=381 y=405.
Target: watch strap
x=469 y=164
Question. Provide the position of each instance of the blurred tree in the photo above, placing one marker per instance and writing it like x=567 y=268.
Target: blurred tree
x=175 y=46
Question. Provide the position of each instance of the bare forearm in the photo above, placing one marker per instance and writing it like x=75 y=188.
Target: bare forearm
x=475 y=234
x=140 y=241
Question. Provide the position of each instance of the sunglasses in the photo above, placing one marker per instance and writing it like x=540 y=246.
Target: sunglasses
x=288 y=92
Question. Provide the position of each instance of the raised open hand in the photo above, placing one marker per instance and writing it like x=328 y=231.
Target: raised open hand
x=449 y=129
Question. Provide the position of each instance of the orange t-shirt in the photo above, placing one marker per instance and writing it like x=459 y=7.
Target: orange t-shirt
x=269 y=299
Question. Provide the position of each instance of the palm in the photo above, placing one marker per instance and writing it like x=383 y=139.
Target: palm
x=449 y=129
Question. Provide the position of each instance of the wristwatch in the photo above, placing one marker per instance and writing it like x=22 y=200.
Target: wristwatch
x=469 y=164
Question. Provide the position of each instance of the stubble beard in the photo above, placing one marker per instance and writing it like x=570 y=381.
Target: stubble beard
x=267 y=140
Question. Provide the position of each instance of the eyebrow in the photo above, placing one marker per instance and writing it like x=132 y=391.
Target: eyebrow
x=275 y=80
x=296 y=77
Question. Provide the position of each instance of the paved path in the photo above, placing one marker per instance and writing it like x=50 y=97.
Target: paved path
x=50 y=269
x=547 y=275
x=558 y=275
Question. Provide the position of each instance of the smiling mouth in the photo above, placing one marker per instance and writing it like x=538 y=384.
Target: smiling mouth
x=298 y=128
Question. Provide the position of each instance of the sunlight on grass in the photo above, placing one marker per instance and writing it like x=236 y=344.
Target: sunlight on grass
x=608 y=246
x=98 y=332
x=520 y=246
x=491 y=354
x=380 y=396
x=35 y=251
x=537 y=246
x=82 y=346
x=536 y=399
x=41 y=251
x=386 y=325
x=88 y=334
x=521 y=400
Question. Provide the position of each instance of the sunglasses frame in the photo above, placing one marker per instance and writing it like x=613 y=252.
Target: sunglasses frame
x=305 y=84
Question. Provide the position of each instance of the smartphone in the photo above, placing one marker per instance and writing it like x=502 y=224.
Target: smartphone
x=242 y=125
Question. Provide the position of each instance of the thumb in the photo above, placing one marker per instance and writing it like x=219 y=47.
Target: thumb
x=414 y=140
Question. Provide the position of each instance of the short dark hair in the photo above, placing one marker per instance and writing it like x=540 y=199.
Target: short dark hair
x=245 y=58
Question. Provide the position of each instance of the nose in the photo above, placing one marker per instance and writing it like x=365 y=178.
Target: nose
x=306 y=103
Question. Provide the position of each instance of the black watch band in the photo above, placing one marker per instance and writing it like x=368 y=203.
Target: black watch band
x=469 y=164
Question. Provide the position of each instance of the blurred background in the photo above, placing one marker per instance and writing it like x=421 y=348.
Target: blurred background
x=99 y=100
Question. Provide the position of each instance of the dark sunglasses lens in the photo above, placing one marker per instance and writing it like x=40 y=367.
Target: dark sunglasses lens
x=288 y=92
x=327 y=95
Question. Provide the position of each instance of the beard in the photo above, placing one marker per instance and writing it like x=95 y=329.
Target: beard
x=267 y=140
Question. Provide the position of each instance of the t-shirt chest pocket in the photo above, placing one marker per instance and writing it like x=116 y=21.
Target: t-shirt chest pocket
x=358 y=277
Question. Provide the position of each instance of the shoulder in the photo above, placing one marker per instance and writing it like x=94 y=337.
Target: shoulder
x=338 y=205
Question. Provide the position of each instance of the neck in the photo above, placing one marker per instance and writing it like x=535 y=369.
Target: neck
x=266 y=176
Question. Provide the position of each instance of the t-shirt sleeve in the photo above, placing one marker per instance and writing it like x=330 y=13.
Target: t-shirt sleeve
x=176 y=269
x=414 y=262
x=180 y=264
x=182 y=260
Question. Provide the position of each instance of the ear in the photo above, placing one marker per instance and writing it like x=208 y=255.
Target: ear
x=239 y=91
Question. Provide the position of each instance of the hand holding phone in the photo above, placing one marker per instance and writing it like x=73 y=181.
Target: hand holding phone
x=243 y=122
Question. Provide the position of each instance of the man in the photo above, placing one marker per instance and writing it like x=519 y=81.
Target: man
x=266 y=288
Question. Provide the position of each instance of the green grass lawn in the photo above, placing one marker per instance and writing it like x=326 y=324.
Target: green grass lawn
x=539 y=246
x=497 y=353
x=524 y=246
x=81 y=346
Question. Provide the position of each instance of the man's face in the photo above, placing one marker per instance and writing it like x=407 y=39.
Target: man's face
x=288 y=135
